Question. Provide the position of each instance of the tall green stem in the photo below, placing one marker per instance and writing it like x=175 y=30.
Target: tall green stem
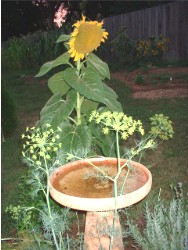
x=125 y=179
x=115 y=190
x=115 y=213
x=79 y=98
x=48 y=202
x=117 y=150
x=78 y=109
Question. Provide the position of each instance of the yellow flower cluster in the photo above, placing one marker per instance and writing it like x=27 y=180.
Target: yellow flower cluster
x=117 y=121
x=161 y=127
x=40 y=144
x=152 y=47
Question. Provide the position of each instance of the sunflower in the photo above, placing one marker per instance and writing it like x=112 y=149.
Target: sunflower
x=85 y=38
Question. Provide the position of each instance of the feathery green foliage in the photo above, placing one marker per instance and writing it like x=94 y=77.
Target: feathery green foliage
x=166 y=226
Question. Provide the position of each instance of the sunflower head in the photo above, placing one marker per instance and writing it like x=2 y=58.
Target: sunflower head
x=85 y=38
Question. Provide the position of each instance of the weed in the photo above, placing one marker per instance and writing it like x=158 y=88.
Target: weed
x=139 y=79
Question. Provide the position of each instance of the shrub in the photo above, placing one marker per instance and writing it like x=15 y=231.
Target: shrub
x=31 y=50
x=8 y=116
x=124 y=48
x=151 y=50
x=166 y=226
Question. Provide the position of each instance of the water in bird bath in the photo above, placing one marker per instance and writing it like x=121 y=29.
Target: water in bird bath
x=88 y=182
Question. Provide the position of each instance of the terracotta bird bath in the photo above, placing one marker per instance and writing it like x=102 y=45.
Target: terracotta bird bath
x=78 y=185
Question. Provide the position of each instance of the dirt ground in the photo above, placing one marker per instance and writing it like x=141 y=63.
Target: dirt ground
x=170 y=82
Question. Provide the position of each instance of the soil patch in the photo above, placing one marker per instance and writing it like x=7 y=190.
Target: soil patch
x=170 y=82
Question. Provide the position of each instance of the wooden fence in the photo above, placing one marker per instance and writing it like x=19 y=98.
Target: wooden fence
x=170 y=20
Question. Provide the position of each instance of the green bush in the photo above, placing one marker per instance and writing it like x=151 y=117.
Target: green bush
x=136 y=53
x=166 y=225
x=31 y=50
x=9 y=119
x=124 y=48
x=152 y=49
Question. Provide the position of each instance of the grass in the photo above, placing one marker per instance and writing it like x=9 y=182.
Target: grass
x=29 y=98
x=168 y=164
x=28 y=92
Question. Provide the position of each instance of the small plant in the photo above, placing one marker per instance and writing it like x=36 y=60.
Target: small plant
x=139 y=79
x=166 y=225
x=38 y=153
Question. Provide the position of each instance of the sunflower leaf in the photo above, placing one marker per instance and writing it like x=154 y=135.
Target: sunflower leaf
x=110 y=99
x=91 y=86
x=56 y=110
x=98 y=64
x=76 y=139
x=57 y=84
x=88 y=106
x=63 y=59
x=63 y=38
x=105 y=142
x=45 y=68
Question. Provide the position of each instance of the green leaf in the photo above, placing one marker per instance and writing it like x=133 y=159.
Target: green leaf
x=88 y=106
x=110 y=91
x=45 y=68
x=76 y=139
x=66 y=45
x=89 y=85
x=110 y=99
x=105 y=142
x=56 y=110
x=63 y=59
x=57 y=84
x=63 y=38
x=101 y=66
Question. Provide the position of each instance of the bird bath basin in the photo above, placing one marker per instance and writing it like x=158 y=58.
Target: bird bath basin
x=78 y=185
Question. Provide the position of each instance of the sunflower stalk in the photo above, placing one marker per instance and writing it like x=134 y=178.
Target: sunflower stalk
x=79 y=102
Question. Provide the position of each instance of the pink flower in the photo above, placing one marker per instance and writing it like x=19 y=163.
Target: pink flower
x=60 y=15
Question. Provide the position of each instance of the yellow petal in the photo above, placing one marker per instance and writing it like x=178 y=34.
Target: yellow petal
x=86 y=37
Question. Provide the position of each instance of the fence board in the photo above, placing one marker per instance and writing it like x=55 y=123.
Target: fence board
x=170 y=20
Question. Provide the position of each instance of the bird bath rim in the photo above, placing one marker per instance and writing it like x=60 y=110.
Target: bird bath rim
x=100 y=204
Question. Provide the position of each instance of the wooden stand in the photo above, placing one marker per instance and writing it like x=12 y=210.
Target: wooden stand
x=98 y=229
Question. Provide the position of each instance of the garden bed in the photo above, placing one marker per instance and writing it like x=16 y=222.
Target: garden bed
x=154 y=83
